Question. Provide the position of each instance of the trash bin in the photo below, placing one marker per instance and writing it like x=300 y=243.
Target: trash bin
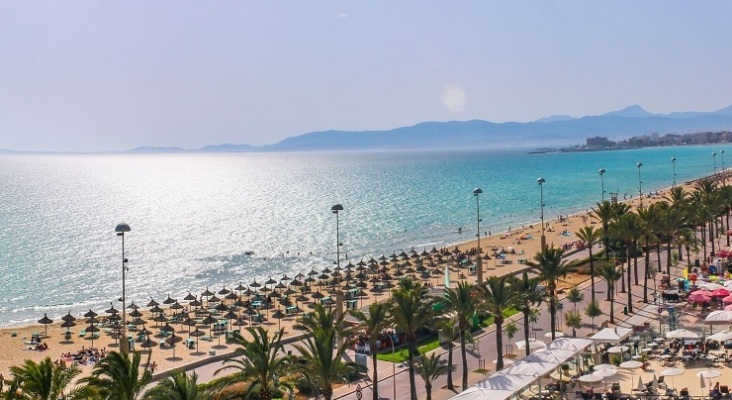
x=696 y=263
x=625 y=310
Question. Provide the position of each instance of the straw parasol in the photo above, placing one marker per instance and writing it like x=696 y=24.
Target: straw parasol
x=45 y=321
x=172 y=340
x=196 y=334
x=279 y=315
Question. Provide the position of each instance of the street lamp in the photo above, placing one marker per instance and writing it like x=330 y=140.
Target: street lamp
x=479 y=262
x=602 y=182
x=339 y=295
x=673 y=162
x=640 y=188
x=714 y=156
x=541 y=198
x=123 y=343
x=722 y=153
x=393 y=366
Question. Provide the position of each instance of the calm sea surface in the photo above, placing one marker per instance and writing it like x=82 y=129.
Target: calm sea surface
x=194 y=216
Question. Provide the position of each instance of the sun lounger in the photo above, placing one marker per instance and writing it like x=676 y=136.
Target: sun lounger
x=207 y=338
x=82 y=333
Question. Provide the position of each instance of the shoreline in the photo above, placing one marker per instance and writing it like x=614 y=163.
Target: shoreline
x=524 y=248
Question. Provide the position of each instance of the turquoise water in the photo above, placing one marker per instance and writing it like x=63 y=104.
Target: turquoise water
x=193 y=216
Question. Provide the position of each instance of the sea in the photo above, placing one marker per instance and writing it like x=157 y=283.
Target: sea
x=216 y=220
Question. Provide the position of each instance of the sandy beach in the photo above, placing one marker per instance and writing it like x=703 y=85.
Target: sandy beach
x=519 y=244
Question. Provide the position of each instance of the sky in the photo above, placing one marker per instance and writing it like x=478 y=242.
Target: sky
x=98 y=76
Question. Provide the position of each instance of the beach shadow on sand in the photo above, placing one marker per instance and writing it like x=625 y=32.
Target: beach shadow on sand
x=174 y=359
x=220 y=347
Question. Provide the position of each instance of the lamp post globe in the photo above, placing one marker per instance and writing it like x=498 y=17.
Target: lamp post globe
x=602 y=182
x=673 y=162
x=335 y=209
x=541 y=181
x=121 y=229
x=479 y=261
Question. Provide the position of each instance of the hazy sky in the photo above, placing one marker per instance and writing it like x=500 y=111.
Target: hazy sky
x=102 y=75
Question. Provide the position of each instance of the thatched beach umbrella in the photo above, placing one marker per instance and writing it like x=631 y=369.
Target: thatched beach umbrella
x=240 y=287
x=196 y=334
x=167 y=328
x=148 y=343
x=152 y=303
x=172 y=340
x=189 y=322
x=111 y=309
x=224 y=291
x=90 y=314
x=92 y=329
x=176 y=306
x=67 y=325
x=45 y=321
x=134 y=314
x=207 y=293
x=169 y=300
x=189 y=297
x=279 y=315
x=231 y=296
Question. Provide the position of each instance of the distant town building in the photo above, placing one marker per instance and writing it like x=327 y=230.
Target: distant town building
x=598 y=141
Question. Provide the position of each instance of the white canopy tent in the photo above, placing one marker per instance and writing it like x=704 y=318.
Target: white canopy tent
x=557 y=356
x=477 y=393
x=721 y=336
x=572 y=344
x=530 y=368
x=611 y=335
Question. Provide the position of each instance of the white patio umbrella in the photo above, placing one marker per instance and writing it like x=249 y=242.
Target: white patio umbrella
x=719 y=317
x=606 y=373
x=533 y=344
x=557 y=334
x=709 y=374
x=701 y=384
x=672 y=372
x=617 y=349
x=632 y=365
x=590 y=378
x=640 y=387
x=681 y=334
x=603 y=366
x=721 y=336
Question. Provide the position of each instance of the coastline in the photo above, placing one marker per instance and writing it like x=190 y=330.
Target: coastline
x=524 y=248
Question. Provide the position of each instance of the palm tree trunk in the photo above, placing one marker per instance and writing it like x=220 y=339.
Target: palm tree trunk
x=465 y=359
x=428 y=389
x=630 y=288
x=526 y=329
x=499 y=343
x=645 y=277
x=450 y=385
x=592 y=275
x=553 y=311
x=635 y=261
x=712 y=224
x=410 y=355
x=376 y=374
x=726 y=229
x=611 y=295
x=704 y=240
x=668 y=256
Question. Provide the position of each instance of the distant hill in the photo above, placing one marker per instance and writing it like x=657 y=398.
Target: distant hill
x=553 y=131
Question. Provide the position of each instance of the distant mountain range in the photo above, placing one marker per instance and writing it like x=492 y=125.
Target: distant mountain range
x=557 y=130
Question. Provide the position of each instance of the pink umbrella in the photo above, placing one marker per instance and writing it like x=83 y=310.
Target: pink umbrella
x=723 y=254
x=727 y=299
x=699 y=298
x=703 y=293
x=720 y=293
x=728 y=307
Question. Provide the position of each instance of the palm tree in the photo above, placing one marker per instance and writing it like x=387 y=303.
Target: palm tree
x=179 y=386
x=430 y=368
x=548 y=265
x=605 y=213
x=321 y=358
x=498 y=296
x=574 y=296
x=590 y=236
x=259 y=362
x=593 y=310
x=625 y=228
x=117 y=376
x=573 y=319
x=462 y=302
x=411 y=311
x=611 y=274
x=671 y=224
x=46 y=381
x=450 y=333
x=374 y=324
x=529 y=294
x=649 y=219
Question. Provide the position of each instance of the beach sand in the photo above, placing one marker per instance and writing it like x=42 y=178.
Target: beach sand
x=14 y=350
